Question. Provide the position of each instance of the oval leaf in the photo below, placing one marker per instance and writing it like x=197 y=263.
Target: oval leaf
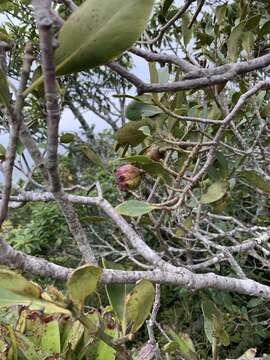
x=255 y=180
x=215 y=192
x=138 y=304
x=134 y=208
x=82 y=282
x=136 y=110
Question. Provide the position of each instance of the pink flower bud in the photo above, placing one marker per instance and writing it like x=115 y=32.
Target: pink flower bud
x=128 y=177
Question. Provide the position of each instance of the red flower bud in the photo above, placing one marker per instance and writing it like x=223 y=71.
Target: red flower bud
x=154 y=153
x=128 y=177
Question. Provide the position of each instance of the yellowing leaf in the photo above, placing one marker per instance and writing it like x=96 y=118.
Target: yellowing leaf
x=82 y=282
x=10 y=280
x=138 y=305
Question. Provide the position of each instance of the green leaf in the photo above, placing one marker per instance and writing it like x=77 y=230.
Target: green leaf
x=130 y=133
x=187 y=33
x=153 y=168
x=67 y=138
x=215 y=192
x=265 y=29
x=26 y=347
x=5 y=97
x=248 y=41
x=117 y=292
x=139 y=304
x=137 y=110
x=50 y=341
x=213 y=323
x=82 y=282
x=166 y=6
x=73 y=336
x=98 y=32
x=234 y=42
x=134 y=208
x=18 y=284
x=221 y=11
x=255 y=180
x=9 y=298
x=183 y=343
x=105 y=352
x=253 y=23
x=2 y=152
x=255 y=302
x=86 y=150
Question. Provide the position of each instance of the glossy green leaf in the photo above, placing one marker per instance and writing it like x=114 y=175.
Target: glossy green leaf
x=215 y=192
x=255 y=180
x=134 y=208
x=154 y=168
x=98 y=32
x=50 y=341
x=82 y=282
x=139 y=304
x=117 y=292
x=137 y=110
x=265 y=29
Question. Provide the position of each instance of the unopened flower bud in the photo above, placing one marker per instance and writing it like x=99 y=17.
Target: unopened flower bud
x=128 y=177
x=154 y=153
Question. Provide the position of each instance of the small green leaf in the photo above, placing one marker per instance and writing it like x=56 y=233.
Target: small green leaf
x=67 y=138
x=250 y=354
x=183 y=344
x=137 y=110
x=73 y=336
x=265 y=29
x=139 y=304
x=134 y=208
x=82 y=282
x=215 y=192
x=255 y=180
